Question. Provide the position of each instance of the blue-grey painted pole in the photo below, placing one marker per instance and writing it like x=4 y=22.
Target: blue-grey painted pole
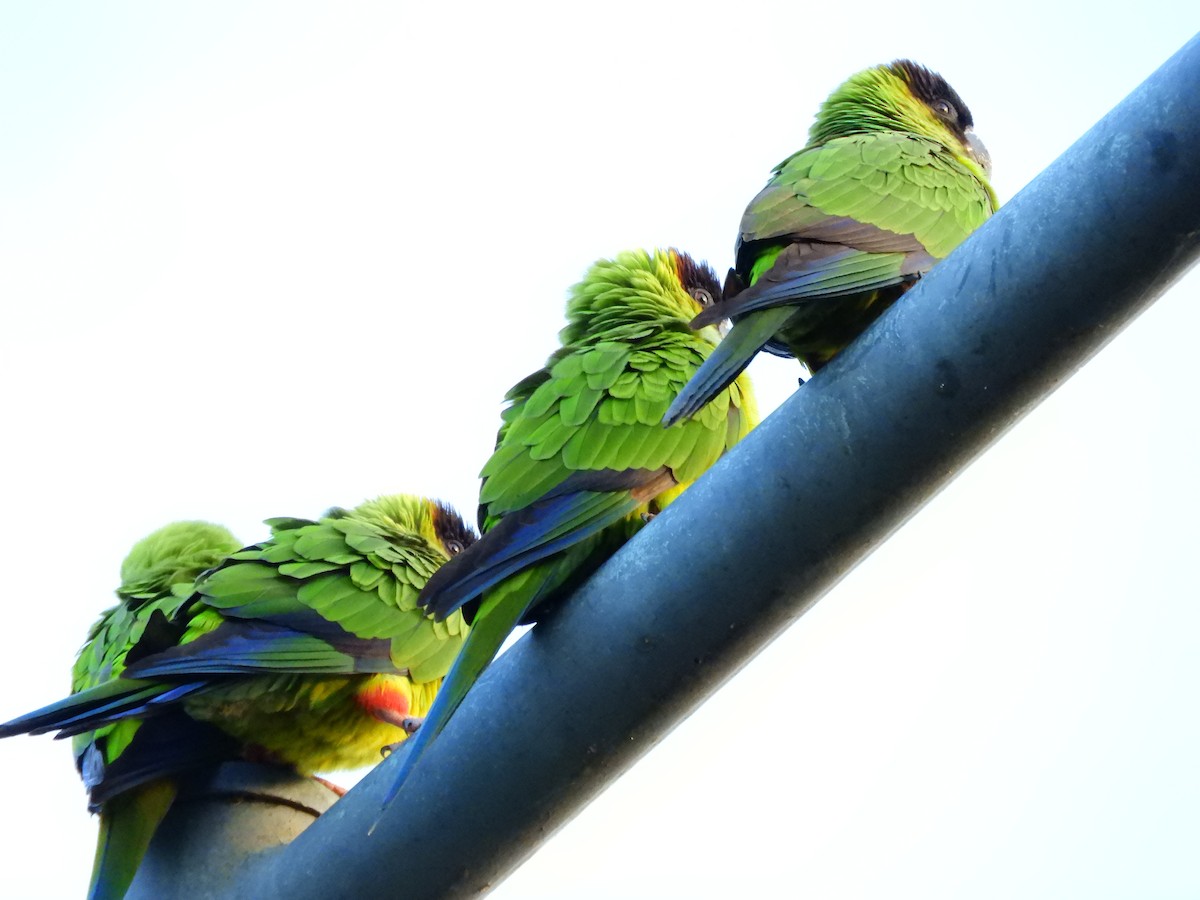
x=219 y=821
x=995 y=328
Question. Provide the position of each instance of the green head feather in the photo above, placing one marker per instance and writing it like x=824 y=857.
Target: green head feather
x=666 y=289
x=437 y=522
x=175 y=553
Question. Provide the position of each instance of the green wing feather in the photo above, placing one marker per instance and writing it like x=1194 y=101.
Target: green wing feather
x=901 y=184
x=341 y=582
x=567 y=426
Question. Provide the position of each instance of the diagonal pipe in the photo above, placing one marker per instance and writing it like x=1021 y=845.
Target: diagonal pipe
x=995 y=328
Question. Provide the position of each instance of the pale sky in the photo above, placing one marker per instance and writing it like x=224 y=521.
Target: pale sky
x=258 y=260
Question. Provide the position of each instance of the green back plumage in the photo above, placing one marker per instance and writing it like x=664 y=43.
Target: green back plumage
x=625 y=352
x=361 y=569
x=900 y=183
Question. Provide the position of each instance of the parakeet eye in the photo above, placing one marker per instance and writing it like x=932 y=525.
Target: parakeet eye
x=944 y=108
x=454 y=547
x=701 y=296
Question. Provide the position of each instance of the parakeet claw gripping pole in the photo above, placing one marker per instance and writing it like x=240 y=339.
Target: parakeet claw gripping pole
x=992 y=330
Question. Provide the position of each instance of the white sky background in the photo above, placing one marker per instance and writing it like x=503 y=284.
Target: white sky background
x=258 y=260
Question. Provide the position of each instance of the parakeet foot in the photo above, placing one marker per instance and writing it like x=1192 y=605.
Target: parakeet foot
x=410 y=724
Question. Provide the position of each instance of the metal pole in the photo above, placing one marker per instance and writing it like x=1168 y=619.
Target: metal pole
x=1010 y=315
x=220 y=820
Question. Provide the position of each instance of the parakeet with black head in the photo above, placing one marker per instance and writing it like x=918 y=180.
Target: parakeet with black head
x=307 y=650
x=581 y=461
x=892 y=179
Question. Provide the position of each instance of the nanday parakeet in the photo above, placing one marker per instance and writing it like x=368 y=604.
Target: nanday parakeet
x=124 y=765
x=306 y=650
x=892 y=179
x=581 y=458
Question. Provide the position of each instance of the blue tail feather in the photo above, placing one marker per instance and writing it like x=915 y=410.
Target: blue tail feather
x=492 y=625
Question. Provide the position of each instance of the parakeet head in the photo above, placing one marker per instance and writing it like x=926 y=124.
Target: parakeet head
x=667 y=288
x=452 y=532
x=902 y=96
x=436 y=522
x=173 y=554
x=700 y=283
x=697 y=279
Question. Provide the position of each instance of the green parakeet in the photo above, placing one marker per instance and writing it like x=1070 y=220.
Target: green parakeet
x=307 y=650
x=126 y=766
x=581 y=460
x=892 y=179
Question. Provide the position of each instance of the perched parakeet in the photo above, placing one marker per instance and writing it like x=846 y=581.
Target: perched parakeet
x=581 y=460
x=892 y=179
x=307 y=650
x=125 y=766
